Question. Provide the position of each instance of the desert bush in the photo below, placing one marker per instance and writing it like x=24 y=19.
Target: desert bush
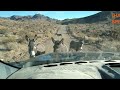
x=17 y=52
x=9 y=39
x=3 y=31
x=92 y=40
x=11 y=45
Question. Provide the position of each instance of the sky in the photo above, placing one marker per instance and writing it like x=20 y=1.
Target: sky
x=60 y=15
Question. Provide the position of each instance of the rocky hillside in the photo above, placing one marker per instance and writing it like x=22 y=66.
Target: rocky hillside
x=104 y=16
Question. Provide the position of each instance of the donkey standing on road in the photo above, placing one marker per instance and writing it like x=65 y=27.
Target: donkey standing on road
x=34 y=49
x=76 y=45
x=59 y=46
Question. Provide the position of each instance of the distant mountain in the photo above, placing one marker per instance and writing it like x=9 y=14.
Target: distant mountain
x=34 y=17
x=96 y=18
x=16 y=17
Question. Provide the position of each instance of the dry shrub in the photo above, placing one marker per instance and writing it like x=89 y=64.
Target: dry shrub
x=9 y=39
x=92 y=40
x=11 y=45
x=18 y=52
x=4 y=31
x=110 y=46
x=3 y=27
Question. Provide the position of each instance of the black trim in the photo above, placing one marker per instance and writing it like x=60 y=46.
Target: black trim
x=9 y=64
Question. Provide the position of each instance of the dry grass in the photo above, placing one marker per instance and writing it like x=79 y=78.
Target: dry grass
x=111 y=46
x=9 y=39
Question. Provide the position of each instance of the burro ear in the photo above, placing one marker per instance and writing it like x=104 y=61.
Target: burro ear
x=26 y=37
x=53 y=40
x=35 y=37
x=62 y=40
